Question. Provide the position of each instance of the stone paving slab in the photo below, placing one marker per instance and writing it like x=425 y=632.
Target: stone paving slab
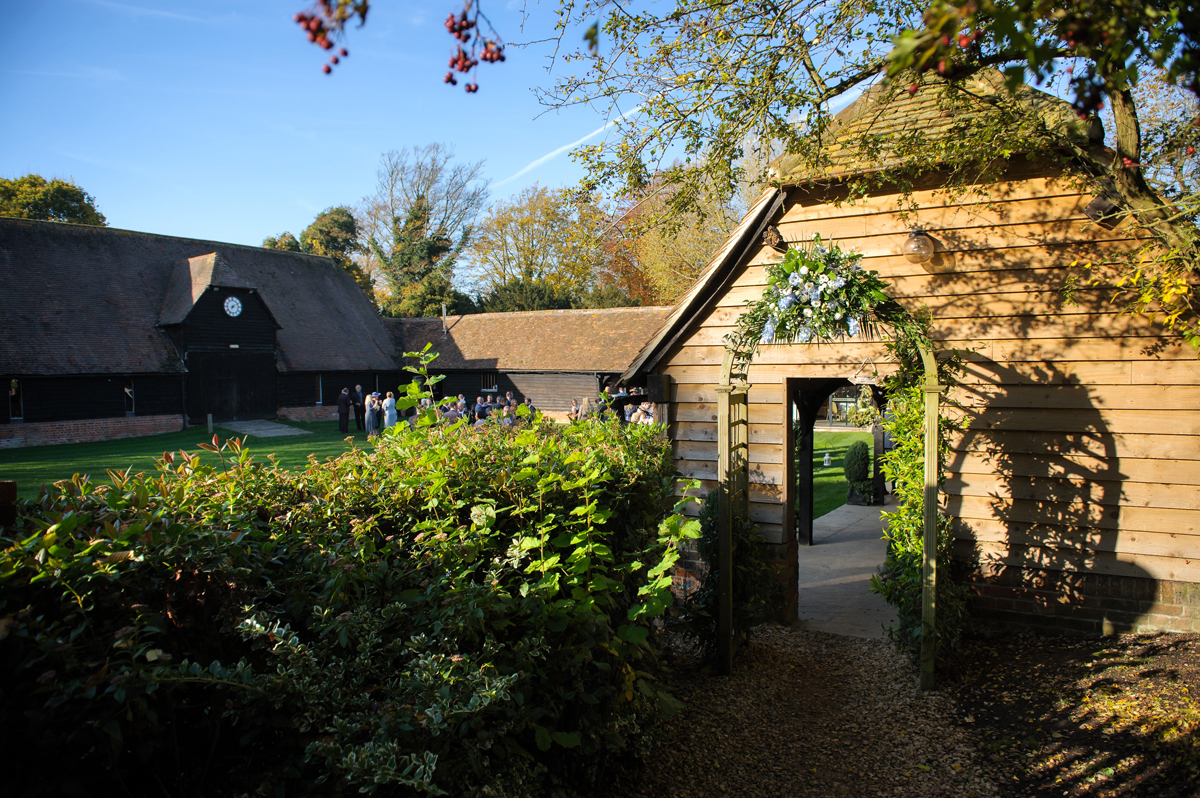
x=835 y=574
x=262 y=429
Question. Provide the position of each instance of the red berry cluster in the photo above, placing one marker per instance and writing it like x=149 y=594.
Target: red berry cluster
x=320 y=34
x=467 y=58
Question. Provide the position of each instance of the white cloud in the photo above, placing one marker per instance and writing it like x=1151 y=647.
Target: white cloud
x=565 y=148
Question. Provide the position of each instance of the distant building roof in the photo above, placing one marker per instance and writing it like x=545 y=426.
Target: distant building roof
x=879 y=129
x=604 y=340
x=77 y=299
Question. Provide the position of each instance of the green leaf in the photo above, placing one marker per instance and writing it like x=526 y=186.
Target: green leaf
x=541 y=736
x=566 y=739
x=633 y=634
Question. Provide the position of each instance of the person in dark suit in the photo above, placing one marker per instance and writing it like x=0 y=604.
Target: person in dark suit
x=360 y=401
x=344 y=404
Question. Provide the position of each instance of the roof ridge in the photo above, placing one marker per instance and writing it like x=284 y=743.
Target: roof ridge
x=108 y=229
x=558 y=311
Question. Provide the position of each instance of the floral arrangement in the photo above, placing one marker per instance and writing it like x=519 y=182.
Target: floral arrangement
x=817 y=293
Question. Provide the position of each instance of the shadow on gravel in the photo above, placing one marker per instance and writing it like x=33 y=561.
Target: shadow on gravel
x=1066 y=716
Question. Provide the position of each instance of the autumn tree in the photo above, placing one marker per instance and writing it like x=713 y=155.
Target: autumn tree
x=33 y=197
x=549 y=247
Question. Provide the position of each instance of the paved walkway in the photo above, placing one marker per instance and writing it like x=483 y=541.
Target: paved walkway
x=835 y=574
x=262 y=429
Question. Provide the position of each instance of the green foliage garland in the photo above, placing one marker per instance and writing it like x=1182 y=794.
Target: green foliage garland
x=454 y=611
x=818 y=293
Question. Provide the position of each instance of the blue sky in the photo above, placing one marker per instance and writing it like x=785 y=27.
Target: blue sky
x=213 y=119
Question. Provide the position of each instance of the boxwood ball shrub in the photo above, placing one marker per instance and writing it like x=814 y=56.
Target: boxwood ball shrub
x=857 y=468
x=452 y=611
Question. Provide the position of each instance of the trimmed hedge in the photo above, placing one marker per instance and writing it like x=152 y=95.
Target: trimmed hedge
x=456 y=611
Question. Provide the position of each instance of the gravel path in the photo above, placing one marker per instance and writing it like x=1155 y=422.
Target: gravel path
x=810 y=714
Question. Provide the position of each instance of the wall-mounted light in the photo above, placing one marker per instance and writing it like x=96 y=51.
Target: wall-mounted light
x=918 y=248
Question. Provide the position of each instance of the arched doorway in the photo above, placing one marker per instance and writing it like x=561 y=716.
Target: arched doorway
x=805 y=397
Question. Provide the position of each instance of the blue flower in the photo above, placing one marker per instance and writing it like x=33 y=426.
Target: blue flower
x=787 y=301
x=814 y=294
x=839 y=282
x=804 y=335
x=795 y=279
x=768 y=333
x=852 y=327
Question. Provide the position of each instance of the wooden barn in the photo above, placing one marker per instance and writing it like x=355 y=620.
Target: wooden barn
x=108 y=333
x=549 y=356
x=1074 y=486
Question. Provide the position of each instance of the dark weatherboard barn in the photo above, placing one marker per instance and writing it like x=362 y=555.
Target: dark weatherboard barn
x=547 y=356
x=106 y=333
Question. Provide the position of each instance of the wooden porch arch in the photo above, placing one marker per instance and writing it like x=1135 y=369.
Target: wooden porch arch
x=733 y=476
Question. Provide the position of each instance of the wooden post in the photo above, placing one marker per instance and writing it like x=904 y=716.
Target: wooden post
x=933 y=392
x=724 y=534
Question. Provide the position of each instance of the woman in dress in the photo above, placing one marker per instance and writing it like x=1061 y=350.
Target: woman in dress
x=389 y=410
x=573 y=413
x=372 y=421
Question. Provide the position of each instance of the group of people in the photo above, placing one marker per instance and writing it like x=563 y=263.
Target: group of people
x=375 y=412
x=630 y=403
x=372 y=411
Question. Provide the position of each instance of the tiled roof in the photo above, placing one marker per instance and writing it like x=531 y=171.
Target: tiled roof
x=190 y=279
x=875 y=131
x=604 y=340
x=76 y=299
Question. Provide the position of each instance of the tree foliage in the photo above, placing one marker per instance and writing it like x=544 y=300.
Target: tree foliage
x=333 y=234
x=33 y=197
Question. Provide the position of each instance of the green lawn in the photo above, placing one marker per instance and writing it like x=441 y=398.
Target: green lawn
x=32 y=466
x=829 y=483
x=35 y=465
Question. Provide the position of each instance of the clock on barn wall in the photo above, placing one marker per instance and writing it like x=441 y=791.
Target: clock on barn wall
x=233 y=306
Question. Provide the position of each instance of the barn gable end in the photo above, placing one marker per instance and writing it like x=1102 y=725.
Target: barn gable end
x=1075 y=483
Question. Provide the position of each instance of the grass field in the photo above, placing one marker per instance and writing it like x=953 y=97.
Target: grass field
x=36 y=465
x=829 y=483
x=33 y=466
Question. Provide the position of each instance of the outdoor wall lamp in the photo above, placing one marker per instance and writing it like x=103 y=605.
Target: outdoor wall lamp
x=918 y=248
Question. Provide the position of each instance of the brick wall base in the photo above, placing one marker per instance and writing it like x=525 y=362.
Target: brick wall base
x=45 y=433
x=1085 y=603
x=310 y=414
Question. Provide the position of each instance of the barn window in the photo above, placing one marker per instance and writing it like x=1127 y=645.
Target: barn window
x=16 y=408
x=488 y=380
x=128 y=396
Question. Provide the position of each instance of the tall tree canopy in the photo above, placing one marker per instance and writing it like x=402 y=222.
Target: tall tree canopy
x=419 y=218
x=33 y=197
x=333 y=234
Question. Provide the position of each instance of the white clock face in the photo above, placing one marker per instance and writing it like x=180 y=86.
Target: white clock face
x=233 y=306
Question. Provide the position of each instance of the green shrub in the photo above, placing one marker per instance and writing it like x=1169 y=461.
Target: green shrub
x=455 y=611
x=857 y=467
x=754 y=583
x=899 y=580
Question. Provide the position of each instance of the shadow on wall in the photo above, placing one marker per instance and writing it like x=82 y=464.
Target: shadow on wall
x=1037 y=492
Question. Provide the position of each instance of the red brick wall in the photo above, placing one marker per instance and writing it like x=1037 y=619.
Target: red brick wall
x=1085 y=602
x=93 y=429
x=309 y=414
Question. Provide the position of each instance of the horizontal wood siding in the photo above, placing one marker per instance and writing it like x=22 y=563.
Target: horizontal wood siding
x=297 y=389
x=72 y=398
x=1080 y=440
x=158 y=396
x=208 y=328
x=553 y=392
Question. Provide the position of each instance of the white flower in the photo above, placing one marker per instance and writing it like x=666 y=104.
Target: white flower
x=837 y=316
x=804 y=270
x=808 y=313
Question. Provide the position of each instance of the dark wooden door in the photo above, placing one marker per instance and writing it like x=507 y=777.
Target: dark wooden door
x=232 y=386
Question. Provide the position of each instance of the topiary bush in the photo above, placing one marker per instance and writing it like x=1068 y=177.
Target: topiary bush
x=857 y=467
x=453 y=611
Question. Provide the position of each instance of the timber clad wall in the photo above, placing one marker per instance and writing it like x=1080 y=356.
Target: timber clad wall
x=1080 y=448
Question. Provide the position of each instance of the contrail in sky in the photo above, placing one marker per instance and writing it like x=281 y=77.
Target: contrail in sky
x=555 y=153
